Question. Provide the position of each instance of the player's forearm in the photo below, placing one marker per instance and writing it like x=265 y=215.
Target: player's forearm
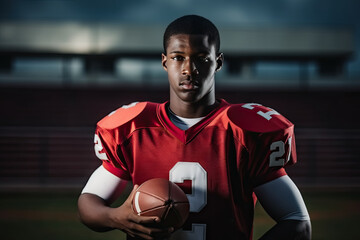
x=289 y=229
x=94 y=212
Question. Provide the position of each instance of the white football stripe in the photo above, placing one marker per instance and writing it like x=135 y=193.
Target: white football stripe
x=137 y=207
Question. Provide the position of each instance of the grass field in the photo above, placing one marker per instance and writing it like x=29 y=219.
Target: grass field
x=335 y=214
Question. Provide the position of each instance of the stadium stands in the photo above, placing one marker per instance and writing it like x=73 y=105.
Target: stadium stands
x=46 y=135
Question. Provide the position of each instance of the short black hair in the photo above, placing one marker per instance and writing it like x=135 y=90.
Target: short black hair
x=192 y=24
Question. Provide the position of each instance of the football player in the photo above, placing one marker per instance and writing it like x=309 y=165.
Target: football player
x=231 y=154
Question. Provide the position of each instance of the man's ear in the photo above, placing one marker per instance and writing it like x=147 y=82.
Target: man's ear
x=219 y=62
x=163 y=61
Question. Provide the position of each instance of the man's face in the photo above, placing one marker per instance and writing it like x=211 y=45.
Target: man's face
x=191 y=63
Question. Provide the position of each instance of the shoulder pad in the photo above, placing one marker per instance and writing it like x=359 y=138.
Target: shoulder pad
x=122 y=115
x=257 y=118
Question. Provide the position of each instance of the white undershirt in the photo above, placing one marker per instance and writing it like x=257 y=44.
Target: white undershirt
x=181 y=122
x=280 y=198
x=105 y=185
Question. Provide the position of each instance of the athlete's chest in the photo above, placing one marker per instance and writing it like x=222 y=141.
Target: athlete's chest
x=156 y=152
x=211 y=140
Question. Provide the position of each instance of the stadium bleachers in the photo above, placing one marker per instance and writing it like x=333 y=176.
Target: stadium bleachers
x=46 y=135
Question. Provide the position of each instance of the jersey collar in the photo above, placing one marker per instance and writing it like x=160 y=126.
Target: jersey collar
x=186 y=136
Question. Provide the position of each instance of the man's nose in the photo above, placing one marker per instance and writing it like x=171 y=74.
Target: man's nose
x=189 y=67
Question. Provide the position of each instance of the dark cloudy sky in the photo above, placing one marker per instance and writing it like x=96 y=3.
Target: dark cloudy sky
x=283 y=12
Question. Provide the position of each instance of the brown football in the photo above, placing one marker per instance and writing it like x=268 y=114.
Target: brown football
x=164 y=199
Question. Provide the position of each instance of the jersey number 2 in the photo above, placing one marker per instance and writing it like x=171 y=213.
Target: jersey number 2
x=277 y=156
x=198 y=198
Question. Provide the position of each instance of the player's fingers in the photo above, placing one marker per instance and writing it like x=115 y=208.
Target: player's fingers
x=131 y=195
x=144 y=220
x=151 y=232
x=149 y=224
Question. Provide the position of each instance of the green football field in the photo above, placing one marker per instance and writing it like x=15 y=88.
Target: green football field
x=335 y=214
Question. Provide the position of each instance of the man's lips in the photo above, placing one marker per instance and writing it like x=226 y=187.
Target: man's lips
x=189 y=85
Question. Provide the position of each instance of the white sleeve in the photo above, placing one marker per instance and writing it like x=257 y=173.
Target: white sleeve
x=282 y=200
x=104 y=184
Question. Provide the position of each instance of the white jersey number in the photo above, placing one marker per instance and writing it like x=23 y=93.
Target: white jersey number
x=198 y=198
x=196 y=173
x=277 y=156
x=98 y=148
x=266 y=115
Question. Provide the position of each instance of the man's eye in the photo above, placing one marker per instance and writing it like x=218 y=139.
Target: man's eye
x=204 y=59
x=178 y=58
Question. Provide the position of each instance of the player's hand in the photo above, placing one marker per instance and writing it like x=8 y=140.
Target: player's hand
x=125 y=219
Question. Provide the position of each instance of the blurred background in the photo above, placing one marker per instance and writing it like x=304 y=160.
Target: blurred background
x=65 y=64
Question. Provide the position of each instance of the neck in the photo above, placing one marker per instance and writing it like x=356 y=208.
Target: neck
x=193 y=109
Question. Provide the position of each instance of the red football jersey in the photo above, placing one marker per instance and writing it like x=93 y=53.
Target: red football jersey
x=217 y=162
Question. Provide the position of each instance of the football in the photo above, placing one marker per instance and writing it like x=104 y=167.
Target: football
x=164 y=199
